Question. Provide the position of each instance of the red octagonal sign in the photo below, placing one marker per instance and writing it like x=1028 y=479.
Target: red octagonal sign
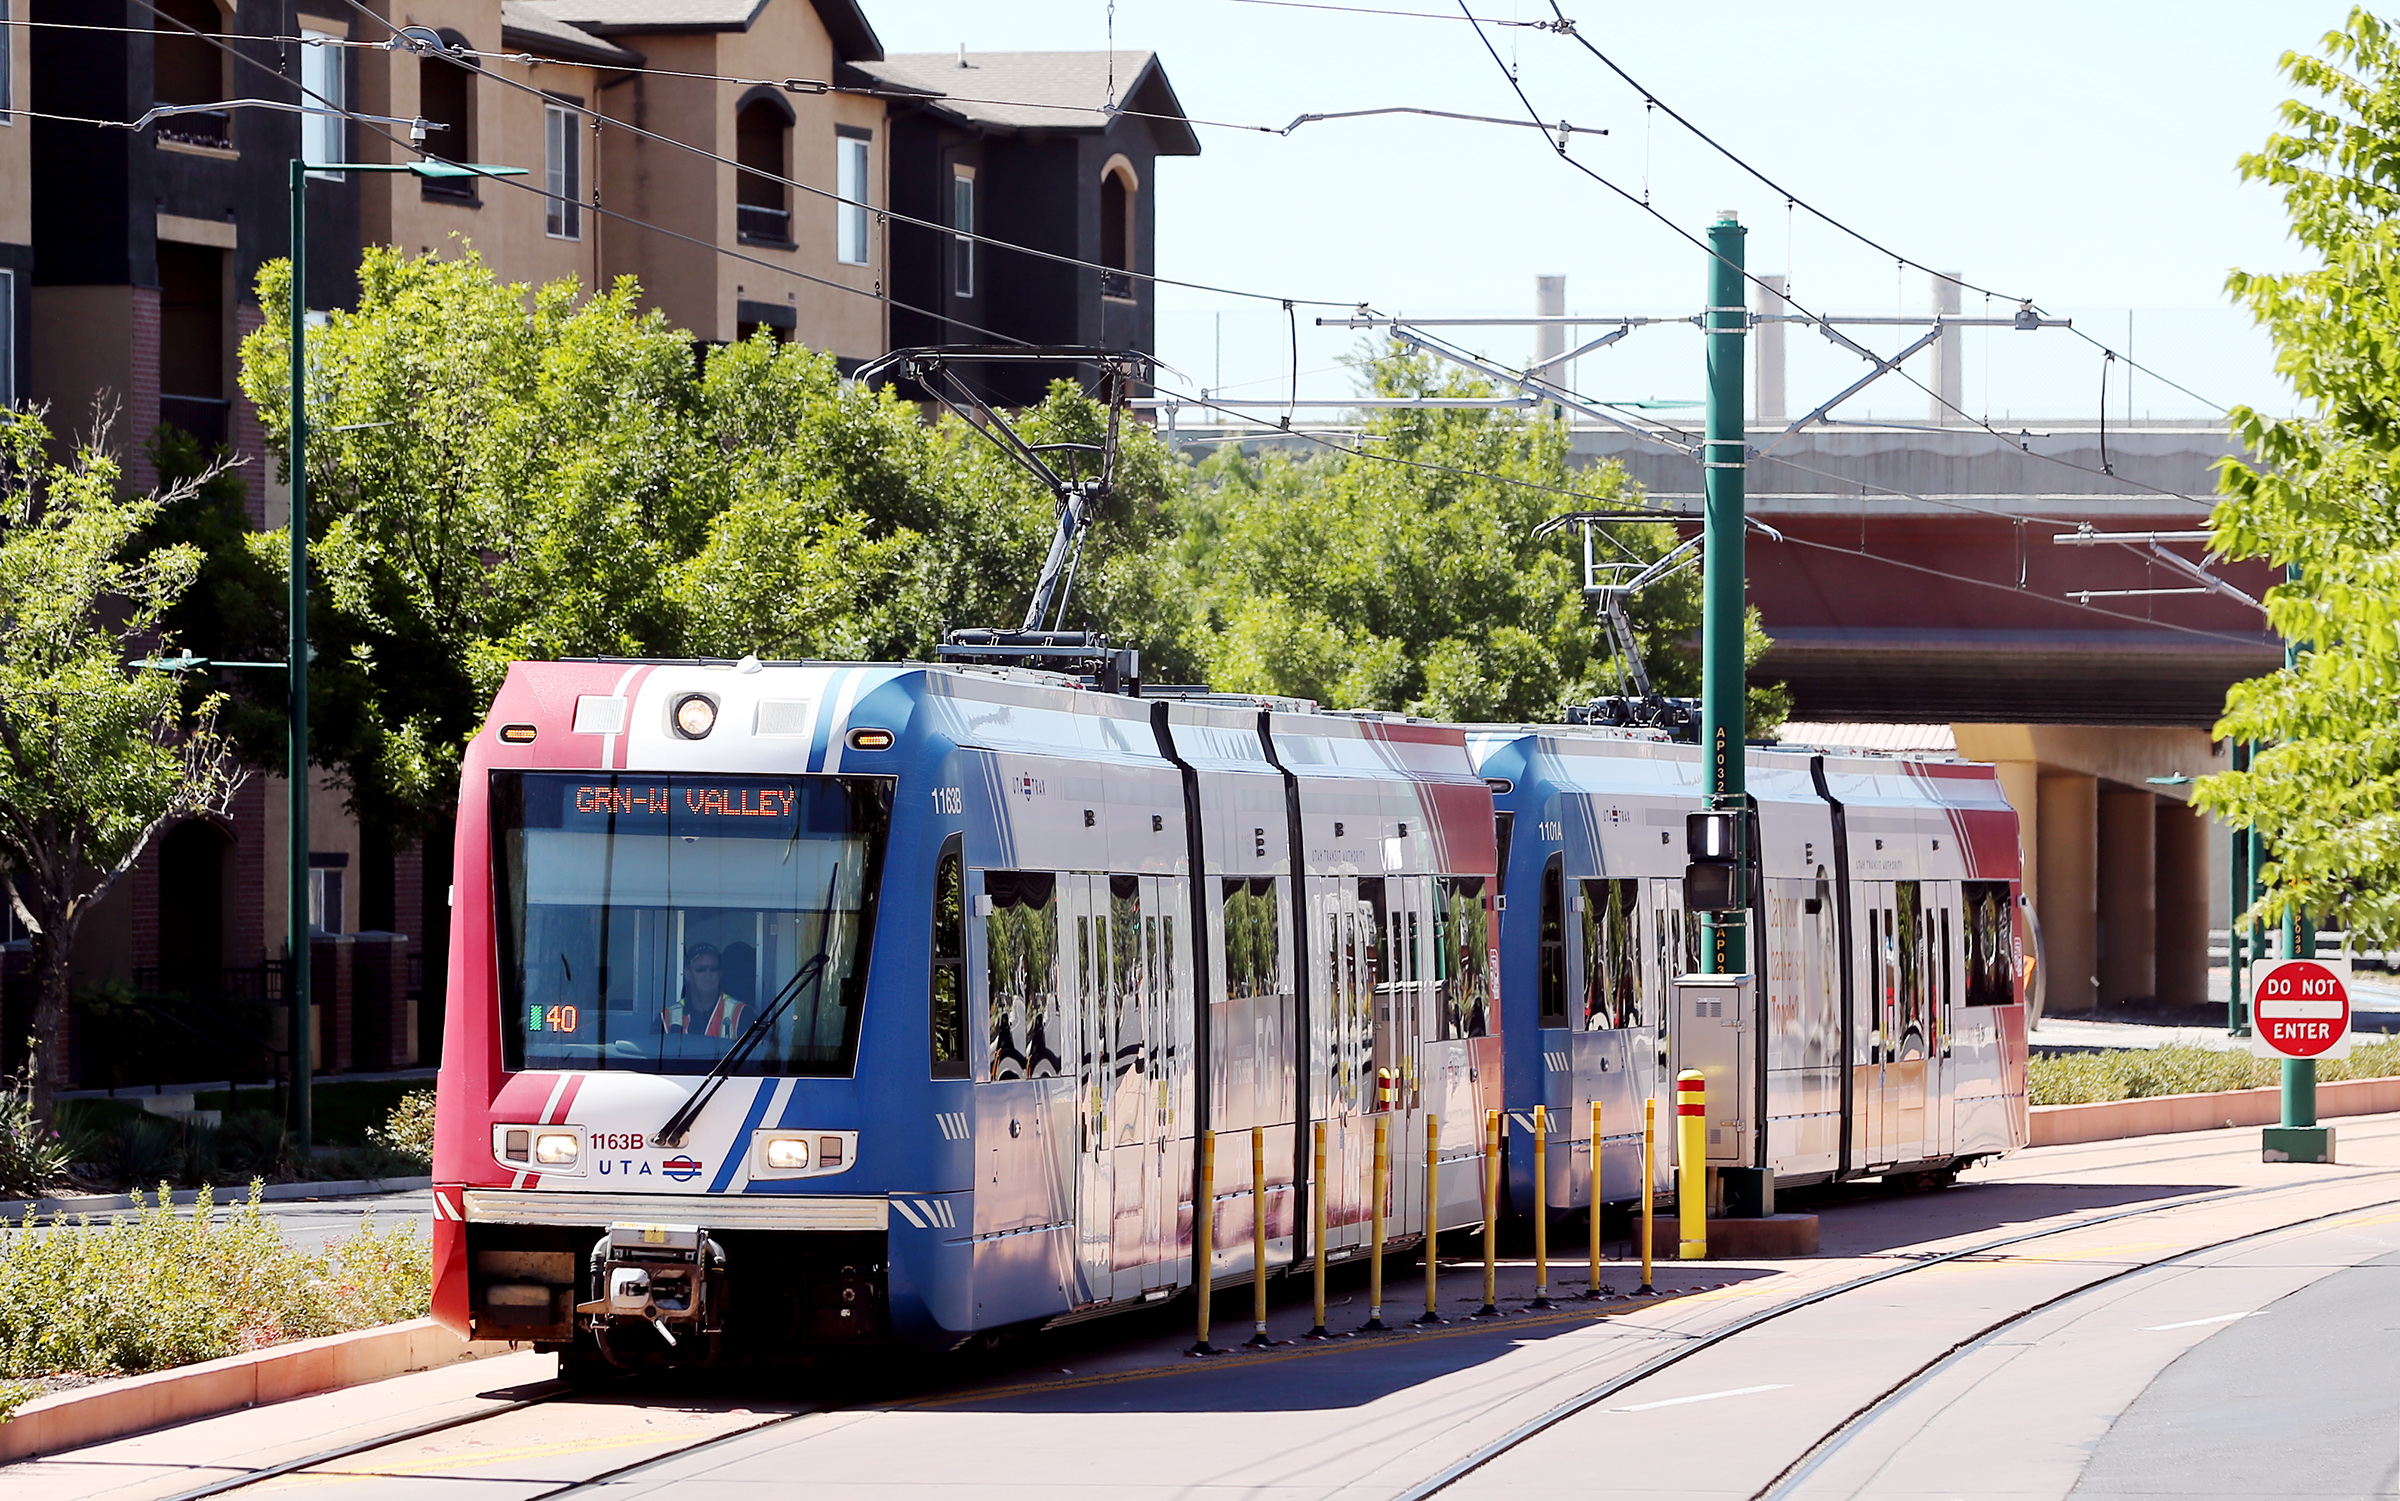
x=2300 y=1008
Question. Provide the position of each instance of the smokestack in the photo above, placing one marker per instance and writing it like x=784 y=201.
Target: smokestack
x=1550 y=339
x=1766 y=344
x=1949 y=384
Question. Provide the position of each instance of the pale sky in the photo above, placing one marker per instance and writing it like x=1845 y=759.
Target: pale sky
x=2080 y=154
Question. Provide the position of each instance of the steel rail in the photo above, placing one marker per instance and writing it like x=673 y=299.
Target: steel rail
x=1810 y=1459
x=1550 y=1418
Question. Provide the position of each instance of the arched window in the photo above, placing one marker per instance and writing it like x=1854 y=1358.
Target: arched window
x=1120 y=195
x=446 y=97
x=188 y=69
x=762 y=143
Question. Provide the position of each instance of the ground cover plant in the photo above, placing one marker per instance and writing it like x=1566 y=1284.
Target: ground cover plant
x=158 y=1287
x=2143 y=1073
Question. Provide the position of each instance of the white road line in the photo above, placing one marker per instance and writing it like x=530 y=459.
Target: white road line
x=2222 y=1318
x=1739 y=1391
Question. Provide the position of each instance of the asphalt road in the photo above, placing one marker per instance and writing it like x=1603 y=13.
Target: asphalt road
x=2167 y=1317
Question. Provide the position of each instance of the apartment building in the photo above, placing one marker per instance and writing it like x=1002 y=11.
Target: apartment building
x=130 y=261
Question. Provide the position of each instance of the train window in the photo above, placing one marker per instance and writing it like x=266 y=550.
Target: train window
x=949 y=992
x=1612 y=955
x=1553 y=978
x=648 y=921
x=1912 y=944
x=1991 y=945
x=1253 y=939
x=1462 y=936
x=1020 y=940
x=1504 y=828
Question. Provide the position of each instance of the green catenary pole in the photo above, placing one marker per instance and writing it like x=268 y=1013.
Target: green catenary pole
x=2299 y=942
x=296 y=983
x=2237 y=1010
x=1724 y=466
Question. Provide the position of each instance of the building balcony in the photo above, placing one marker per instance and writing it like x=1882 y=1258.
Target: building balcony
x=207 y=418
x=212 y=128
x=760 y=224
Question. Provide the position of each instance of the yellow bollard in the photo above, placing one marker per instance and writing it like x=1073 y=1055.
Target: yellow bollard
x=1316 y=1231
x=1541 y=1208
x=1691 y=1163
x=1649 y=1189
x=1258 y=1234
x=1379 y=1186
x=1204 y=1215
x=1591 y=1289
x=1433 y=1199
x=1491 y=1216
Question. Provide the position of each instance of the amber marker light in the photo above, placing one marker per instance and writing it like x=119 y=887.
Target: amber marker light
x=518 y=734
x=870 y=739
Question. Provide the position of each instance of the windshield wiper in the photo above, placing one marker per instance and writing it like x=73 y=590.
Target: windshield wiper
x=680 y=1123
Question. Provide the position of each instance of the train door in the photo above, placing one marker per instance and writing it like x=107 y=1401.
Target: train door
x=1410 y=1030
x=1942 y=971
x=1129 y=1108
x=1163 y=1060
x=1908 y=1042
x=1341 y=1053
x=1674 y=950
x=1086 y=908
x=1877 y=1005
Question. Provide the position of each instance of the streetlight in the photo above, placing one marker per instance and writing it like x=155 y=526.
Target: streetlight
x=296 y=990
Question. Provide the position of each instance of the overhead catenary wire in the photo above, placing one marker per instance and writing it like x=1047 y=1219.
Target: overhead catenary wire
x=887 y=214
x=1688 y=237
x=1566 y=27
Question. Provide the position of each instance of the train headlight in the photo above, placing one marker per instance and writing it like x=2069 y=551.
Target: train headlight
x=695 y=716
x=556 y=1148
x=787 y=1153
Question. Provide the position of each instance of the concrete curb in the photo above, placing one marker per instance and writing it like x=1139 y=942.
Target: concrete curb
x=113 y=1409
x=2064 y=1125
x=340 y=1188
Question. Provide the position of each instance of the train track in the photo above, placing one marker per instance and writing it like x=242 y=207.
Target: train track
x=1515 y=1438
x=1824 y=1447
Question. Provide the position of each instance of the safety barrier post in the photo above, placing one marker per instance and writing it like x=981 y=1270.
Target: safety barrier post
x=1258 y=1234
x=1591 y=1289
x=1541 y=1208
x=1649 y=1188
x=1691 y=1163
x=1316 y=1231
x=1379 y=1187
x=1433 y=1199
x=1204 y=1216
x=1491 y=1216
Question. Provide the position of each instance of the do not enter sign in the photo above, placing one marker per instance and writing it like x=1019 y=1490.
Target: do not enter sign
x=2300 y=1008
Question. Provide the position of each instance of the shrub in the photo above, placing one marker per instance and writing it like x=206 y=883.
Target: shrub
x=32 y=1156
x=2180 y=1068
x=408 y=1130
x=157 y=1288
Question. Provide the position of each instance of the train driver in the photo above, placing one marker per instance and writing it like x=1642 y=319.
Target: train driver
x=704 y=1007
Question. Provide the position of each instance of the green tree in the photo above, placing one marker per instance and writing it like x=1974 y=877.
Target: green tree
x=2319 y=499
x=97 y=756
x=500 y=472
x=1406 y=575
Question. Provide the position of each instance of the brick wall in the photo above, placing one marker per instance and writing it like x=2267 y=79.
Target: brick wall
x=250 y=439
x=140 y=417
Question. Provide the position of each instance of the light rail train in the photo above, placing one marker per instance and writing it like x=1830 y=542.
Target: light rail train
x=801 y=1006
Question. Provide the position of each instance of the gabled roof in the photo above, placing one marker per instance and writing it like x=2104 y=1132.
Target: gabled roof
x=530 y=25
x=854 y=40
x=1007 y=92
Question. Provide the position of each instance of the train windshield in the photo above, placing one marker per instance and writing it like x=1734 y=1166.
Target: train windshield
x=647 y=922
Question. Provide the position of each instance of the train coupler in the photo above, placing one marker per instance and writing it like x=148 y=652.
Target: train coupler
x=669 y=1279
